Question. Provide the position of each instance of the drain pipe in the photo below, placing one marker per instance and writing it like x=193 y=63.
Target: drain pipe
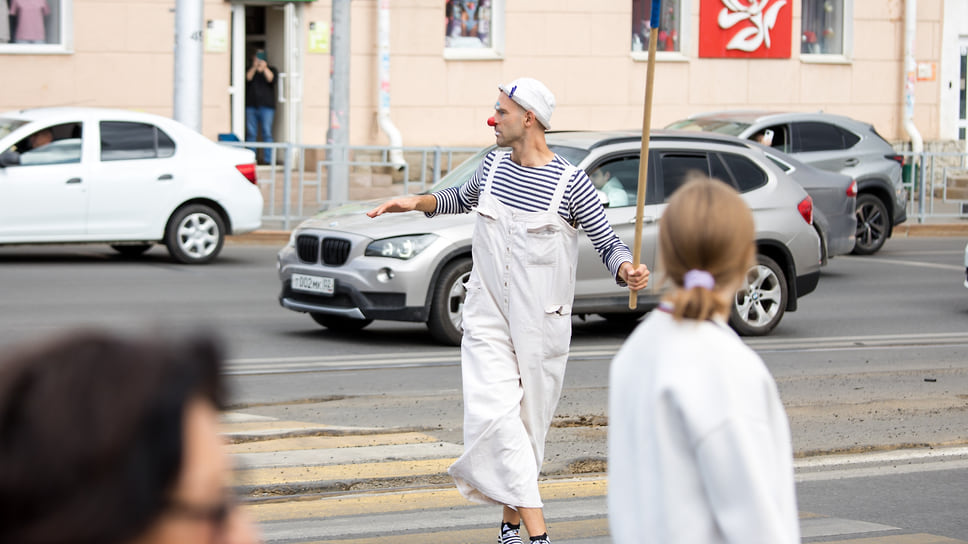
x=910 y=77
x=383 y=115
x=910 y=73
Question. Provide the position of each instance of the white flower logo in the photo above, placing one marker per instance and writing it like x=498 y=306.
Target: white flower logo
x=750 y=38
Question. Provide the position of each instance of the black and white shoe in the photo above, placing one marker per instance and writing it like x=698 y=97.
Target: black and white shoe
x=509 y=535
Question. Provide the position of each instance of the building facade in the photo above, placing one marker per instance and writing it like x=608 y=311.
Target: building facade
x=445 y=59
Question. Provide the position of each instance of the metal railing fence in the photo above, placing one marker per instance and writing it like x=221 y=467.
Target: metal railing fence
x=295 y=180
x=295 y=183
x=937 y=185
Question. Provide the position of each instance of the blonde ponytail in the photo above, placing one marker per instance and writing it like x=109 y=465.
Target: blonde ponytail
x=706 y=231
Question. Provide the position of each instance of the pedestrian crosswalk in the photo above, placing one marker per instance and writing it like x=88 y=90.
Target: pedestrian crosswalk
x=310 y=483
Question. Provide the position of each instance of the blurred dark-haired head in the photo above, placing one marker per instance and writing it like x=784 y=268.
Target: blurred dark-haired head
x=91 y=433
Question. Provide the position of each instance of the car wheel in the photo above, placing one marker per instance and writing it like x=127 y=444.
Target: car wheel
x=195 y=234
x=339 y=323
x=759 y=305
x=131 y=250
x=873 y=224
x=448 y=302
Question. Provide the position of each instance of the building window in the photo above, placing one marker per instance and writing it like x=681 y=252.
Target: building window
x=34 y=26
x=474 y=29
x=824 y=27
x=671 y=31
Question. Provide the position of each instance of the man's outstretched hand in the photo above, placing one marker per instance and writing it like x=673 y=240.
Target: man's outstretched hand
x=423 y=203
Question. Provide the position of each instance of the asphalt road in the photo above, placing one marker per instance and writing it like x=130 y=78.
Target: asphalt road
x=880 y=344
x=872 y=361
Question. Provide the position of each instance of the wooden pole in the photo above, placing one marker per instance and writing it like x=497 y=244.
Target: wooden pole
x=644 y=156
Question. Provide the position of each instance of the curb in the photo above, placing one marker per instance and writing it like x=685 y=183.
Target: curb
x=931 y=229
x=274 y=237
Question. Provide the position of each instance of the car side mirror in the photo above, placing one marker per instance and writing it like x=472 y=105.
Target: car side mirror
x=9 y=158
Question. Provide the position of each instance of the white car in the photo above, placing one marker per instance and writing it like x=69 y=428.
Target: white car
x=128 y=179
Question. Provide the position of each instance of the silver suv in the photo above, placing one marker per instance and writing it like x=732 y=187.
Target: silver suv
x=829 y=142
x=345 y=269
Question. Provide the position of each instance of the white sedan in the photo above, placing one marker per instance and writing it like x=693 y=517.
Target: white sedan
x=128 y=179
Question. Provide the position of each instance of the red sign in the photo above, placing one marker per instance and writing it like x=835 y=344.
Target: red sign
x=745 y=28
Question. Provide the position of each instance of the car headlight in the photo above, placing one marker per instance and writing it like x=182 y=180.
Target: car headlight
x=400 y=247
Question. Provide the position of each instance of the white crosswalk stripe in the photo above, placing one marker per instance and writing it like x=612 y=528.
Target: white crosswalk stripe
x=322 y=484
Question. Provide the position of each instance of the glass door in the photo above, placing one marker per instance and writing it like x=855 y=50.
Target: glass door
x=276 y=29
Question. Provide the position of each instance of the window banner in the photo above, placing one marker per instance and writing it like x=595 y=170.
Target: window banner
x=745 y=28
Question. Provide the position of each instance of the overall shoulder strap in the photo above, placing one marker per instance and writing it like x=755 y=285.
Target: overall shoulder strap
x=566 y=176
x=499 y=157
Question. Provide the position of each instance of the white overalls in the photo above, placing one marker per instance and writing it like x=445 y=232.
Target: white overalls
x=517 y=329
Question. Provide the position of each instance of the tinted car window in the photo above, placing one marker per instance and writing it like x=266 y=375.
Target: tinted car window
x=677 y=166
x=127 y=141
x=782 y=165
x=719 y=171
x=823 y=137
x=746 y=175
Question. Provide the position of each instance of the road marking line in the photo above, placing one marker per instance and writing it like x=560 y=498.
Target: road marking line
x=878 y=457
x=920 y=538
x=825 y=526
x=226 y=418
x=562 y=530
x=350 y=456
x=918 y=264
x=359 y=504
x=278 y=475
x=330 y=442
x=882 y=470
x=269 y=425
x=281 y=365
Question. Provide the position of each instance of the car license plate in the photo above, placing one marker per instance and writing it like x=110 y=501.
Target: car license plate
x=313 y=284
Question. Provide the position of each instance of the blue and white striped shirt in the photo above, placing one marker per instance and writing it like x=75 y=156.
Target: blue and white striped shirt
x=531 y=189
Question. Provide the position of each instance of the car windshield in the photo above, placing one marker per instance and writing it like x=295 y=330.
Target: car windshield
x=722 y=126
x=462 y=172
x=466 y=169
x=9 y=125
x=574 y=155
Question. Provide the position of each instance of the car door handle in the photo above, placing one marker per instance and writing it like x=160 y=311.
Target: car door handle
x=852 y=162
x=165 y=177
x=74 y=180
x=645 y=220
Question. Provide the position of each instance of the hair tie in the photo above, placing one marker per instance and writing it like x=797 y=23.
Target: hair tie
x=698 y=278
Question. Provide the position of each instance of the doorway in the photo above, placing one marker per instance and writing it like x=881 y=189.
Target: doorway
x=276 y=28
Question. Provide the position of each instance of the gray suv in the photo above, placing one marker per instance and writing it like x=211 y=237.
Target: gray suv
x=345 y=269
x=829 y=142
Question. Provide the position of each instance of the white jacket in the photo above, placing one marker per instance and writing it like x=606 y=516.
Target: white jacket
x=699 y=442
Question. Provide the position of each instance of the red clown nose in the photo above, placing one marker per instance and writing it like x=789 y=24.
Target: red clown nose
x=491 y=122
